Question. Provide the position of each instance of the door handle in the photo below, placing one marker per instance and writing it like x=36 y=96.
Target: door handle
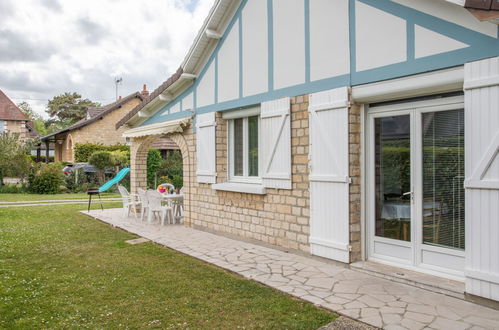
x=409 y=193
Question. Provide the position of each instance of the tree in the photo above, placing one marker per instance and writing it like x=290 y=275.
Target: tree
x=69 y=107
x=14 y=159
x=28 y=110
x=38 y=122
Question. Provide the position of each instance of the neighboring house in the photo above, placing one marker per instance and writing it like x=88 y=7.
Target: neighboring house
x=350 y=129
x=13 y=120
x=97 y=127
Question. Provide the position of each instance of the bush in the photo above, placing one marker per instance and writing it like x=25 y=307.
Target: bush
x=48 y=179
x=42 y=158
x=83 y=151
x=79 y=181
x=153 y=163
x=13 y=189
x=101 y=160
x=172 y=165
x=178 y=181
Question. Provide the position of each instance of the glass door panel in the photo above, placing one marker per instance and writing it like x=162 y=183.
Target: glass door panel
x=443 y=176
x=392 y=156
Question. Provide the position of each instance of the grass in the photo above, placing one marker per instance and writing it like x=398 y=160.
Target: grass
x=61 y=269
x=39 y=197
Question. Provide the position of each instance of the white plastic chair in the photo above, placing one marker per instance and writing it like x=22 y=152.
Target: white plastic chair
x=144 y=203
x=129 y=202
x=154 y=199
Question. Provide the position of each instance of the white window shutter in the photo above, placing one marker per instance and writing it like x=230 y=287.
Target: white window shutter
x=206 y=148
x=481 y=97
x=329 y=175
x=275 y=146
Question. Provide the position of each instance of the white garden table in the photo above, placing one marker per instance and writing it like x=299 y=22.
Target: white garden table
x=177 y=202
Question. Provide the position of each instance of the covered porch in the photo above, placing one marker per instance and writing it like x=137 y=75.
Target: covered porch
x=142 y=139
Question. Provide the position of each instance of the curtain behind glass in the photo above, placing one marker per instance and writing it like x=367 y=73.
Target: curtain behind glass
x=253 y=146
x=238 y=147
x=443 y=176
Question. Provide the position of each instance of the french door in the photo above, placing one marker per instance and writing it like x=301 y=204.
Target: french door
x=415 y=193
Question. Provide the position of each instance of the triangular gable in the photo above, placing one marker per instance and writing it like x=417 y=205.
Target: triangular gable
x=431 y=43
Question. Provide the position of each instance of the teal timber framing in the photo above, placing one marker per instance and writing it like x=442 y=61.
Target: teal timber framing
x=480 y=46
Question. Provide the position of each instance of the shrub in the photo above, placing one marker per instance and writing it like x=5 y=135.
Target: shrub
x=101 y=160
x=172 y=165
x=13 y=189
x=48 y=179
x=14 y=159
x=79 y=181
x=178 y=181
x=153 y=163
x=42 y=158
x=83 y=151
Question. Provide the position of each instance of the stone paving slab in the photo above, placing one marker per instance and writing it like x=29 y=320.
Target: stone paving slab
x=372 y=300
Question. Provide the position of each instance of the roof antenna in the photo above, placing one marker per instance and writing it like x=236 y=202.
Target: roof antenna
x=117 y=81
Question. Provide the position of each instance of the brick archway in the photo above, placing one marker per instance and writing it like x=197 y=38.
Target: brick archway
x=138 y=165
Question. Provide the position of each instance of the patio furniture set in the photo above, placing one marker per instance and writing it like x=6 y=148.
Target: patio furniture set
x=167 y=207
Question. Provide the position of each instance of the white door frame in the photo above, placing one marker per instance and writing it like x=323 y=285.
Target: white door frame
x=414 y=259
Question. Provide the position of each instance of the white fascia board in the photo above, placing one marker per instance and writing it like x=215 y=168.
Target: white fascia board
x=457 y=2
x=218 y=19
x=201 y=34
x=176 y=125
x=213 y=34
x=411 y=86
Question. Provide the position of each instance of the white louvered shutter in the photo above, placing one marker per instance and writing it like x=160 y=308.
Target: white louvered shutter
x=206 y=148
x=275 y=129
x=329 y=178
x=481 y=85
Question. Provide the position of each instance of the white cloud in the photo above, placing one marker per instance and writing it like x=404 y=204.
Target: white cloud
x=51 y=47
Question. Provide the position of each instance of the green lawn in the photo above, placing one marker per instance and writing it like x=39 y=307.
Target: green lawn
x=38 y=197
x=61 y=269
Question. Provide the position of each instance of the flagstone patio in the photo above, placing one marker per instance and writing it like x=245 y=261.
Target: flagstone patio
x=373 y=300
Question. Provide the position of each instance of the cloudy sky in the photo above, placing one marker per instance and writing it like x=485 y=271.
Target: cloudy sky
x=48 y=47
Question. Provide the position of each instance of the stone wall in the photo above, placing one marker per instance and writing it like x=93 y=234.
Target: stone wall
x=281 y=217
x=17 y=126
x=354 y=137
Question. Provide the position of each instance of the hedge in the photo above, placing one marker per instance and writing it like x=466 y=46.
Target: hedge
x=83 y=151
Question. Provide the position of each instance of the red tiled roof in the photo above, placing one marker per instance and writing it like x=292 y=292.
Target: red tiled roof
x=8 y=110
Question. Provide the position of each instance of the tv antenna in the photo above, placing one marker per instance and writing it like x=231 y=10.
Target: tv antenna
x=117 y=81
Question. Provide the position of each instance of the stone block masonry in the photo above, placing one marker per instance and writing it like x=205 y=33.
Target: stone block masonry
x=280 y=217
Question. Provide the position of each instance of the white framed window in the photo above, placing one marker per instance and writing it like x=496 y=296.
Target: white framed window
x=243 y=149
x=2 y=126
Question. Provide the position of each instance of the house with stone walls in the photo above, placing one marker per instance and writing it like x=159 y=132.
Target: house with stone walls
x=13 y=120
x=97 y=127
x=352 y=130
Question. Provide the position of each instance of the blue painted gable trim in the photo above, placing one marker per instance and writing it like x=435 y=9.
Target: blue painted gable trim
x=481 y=46
x=433 y=23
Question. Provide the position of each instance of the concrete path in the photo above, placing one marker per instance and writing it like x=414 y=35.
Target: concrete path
x=57 y=202
x=373 y=300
